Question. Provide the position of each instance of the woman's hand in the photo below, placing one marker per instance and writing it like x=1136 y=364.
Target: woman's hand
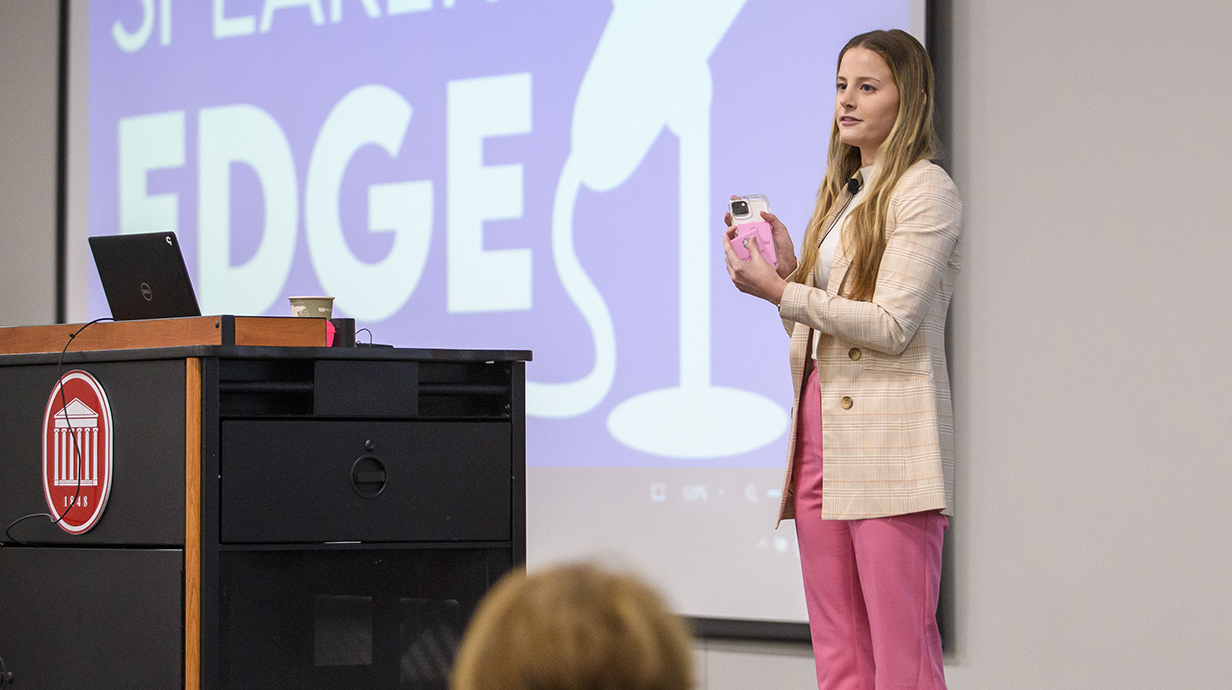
x=756 y=276
x=783 y=248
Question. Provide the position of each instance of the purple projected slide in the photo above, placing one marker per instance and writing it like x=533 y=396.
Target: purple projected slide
x=489 y=174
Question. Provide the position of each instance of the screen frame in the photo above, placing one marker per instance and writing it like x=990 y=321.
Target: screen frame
x=73 y=257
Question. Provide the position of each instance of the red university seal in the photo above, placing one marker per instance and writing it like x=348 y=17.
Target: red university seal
x=77 y=452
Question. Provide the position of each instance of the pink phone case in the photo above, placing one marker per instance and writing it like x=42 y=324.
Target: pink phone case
x=758 y=232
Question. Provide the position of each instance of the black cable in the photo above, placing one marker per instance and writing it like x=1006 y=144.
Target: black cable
x=369 y=334
x=6 y=676
x=76 y=449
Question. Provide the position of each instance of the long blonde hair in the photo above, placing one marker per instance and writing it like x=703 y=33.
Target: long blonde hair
x=911 y=139
x=573 y=627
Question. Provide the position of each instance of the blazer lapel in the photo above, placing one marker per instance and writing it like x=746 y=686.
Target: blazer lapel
x=838 y=270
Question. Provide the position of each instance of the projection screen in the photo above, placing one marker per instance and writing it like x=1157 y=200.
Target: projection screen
x=502 y=174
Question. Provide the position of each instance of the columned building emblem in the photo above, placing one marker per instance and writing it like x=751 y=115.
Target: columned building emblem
x=77 y=452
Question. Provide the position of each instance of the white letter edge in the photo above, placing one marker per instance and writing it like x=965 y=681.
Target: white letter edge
x=368 y=115
x=479 y=280
x=243 y=134
x=149 y=142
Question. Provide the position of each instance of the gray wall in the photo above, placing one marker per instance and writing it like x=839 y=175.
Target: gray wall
x=1093 y=542
x=29 y=49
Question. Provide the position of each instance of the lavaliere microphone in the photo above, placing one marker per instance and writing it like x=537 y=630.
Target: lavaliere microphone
x=853 y=186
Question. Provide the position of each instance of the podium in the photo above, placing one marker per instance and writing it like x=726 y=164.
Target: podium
x=279 y=514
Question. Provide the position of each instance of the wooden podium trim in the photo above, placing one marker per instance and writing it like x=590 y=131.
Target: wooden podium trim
x=192 y=525
x=116 y=335
x=265 y=331
x=279 y=331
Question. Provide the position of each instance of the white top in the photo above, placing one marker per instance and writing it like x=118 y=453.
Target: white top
x=821 y=275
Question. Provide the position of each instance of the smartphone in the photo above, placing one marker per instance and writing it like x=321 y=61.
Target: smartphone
x=750 y=228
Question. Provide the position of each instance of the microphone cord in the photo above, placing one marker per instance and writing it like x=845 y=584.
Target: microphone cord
x=75 y=449
x=853 y=186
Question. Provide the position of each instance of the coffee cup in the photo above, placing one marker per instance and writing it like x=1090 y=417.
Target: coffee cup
x=312 y=307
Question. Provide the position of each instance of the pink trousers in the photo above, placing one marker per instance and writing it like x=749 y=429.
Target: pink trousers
x=871 y=585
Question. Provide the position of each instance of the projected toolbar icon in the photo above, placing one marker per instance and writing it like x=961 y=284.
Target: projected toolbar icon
x=658 y=492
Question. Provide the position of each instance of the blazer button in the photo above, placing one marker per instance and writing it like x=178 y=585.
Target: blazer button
x=845 y=403
x=854 y=353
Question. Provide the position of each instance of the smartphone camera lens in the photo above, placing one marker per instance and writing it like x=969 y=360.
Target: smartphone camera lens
x=740 y=208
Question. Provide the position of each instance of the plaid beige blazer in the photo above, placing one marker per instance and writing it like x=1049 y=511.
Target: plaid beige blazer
x=887 y=421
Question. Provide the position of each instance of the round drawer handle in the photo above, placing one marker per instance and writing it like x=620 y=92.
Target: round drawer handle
x=368 y=476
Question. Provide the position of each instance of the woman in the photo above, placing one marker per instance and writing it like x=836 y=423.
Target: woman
x=573 y=627
x=865 y=306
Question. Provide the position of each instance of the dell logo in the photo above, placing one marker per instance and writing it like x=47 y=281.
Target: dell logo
x=146 y=292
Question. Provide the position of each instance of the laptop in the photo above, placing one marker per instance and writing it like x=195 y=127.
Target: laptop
x=144 y=276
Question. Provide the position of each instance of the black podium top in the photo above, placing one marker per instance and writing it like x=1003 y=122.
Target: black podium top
x=250 y=352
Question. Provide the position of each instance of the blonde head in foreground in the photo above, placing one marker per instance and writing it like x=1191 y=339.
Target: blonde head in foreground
x=573 y=627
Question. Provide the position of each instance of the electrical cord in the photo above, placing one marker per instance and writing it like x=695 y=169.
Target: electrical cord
x=7 y=679
x=75 y=455
x=369 y=334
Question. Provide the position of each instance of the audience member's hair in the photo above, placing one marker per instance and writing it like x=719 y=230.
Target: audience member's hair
x=573 y=627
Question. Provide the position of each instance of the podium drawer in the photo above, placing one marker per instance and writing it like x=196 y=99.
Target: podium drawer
x=310 y=481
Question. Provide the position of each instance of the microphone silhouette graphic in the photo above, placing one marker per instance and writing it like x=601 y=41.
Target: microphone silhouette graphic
x=650 y=71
